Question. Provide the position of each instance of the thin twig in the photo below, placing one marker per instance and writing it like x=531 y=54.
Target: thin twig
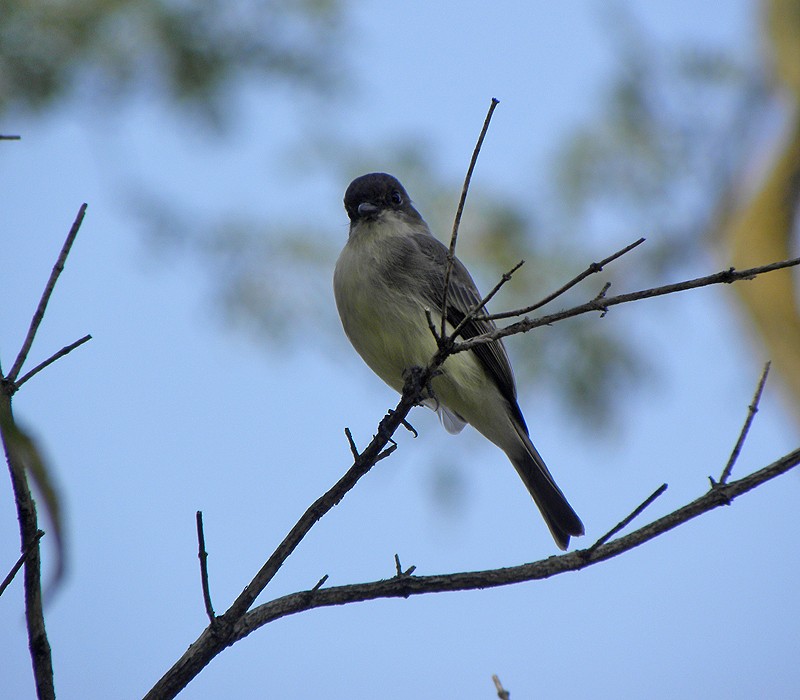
x=399 y=569
x=9 y=137
x=50 y=360
x=483 y=302
x=319 y=583
x=602 y=304
x=625 y=521
x=602 y=294
x=591 y=270
x=410 y=428
x=14 y=569
x=352 y=443
x=451 y=253
x=48 y=291
x=751 y=412
x=432 y=325
x=502 y=693
x=203 y=556
x=385 y=453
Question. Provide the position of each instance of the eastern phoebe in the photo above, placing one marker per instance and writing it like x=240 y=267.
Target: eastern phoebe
x=393 y=269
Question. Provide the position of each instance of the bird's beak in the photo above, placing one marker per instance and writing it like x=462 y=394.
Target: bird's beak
x=367 y=209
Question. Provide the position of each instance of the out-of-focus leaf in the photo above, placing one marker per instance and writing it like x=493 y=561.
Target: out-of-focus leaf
x=666 y=150
x=783 y=30
x=22 y=451
x=190 y=52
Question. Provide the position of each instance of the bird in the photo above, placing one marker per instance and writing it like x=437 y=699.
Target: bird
x=388 y=277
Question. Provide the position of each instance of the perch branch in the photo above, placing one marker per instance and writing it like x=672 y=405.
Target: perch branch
x=208 y=646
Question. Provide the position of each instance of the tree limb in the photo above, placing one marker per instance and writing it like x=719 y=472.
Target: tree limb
x=545 y=568
x=29 y=538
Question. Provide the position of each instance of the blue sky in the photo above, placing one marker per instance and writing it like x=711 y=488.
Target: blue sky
x=167 y=410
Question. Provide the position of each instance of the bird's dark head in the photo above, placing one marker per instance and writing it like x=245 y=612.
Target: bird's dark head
x=370 y=196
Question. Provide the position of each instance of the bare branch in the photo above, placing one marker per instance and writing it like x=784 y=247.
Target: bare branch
x=602 y=304
x=542 y=569
x=38 y=643
x=50 y=360
x=203 y=556
x=432 y=325
x=627 y=520
x=209 y=642
x=451 y=253
x=591 y=270
x=502 y=693
x=399 y=569
x=48 y=291
x=352 y=443
x=751 y=412
x=383 y=454
x=9 y=137
x=319 y=583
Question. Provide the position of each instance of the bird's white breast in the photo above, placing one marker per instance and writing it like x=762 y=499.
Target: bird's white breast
x=386 y=326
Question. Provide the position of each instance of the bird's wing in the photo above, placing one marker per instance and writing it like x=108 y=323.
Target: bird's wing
x=463 y=295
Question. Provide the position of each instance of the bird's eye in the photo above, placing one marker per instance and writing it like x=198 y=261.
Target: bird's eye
x=396 y=197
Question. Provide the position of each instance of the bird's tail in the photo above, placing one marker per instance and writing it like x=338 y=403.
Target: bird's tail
x=562 y=520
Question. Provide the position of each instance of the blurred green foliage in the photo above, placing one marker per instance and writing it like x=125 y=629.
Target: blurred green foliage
x=191 y=53
x=658 y=159
x=667 y=147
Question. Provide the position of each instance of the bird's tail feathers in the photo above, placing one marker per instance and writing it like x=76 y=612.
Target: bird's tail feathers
x=562 y=520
